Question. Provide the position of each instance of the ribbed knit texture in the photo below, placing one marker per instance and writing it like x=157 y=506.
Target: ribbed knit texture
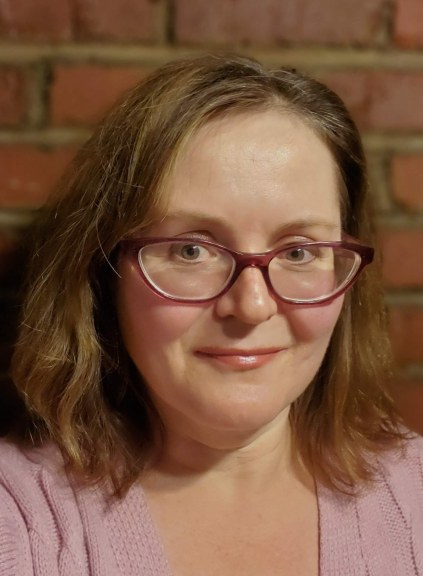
x=49 y=528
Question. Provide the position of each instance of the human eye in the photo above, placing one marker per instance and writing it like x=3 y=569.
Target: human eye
x=309 y=257
x=304 y=257
x=189 y=252
x=299 y=254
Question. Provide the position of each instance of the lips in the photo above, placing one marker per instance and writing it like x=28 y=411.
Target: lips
x=240 y=359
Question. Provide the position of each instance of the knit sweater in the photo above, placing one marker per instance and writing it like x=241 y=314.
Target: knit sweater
x=50 y=527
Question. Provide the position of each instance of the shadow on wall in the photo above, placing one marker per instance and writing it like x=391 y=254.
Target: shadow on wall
x=13 y=261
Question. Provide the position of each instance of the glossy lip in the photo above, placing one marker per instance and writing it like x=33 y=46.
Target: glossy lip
x=240 y=359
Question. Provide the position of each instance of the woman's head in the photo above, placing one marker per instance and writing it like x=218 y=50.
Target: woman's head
x=71 y=361
x=229 y=367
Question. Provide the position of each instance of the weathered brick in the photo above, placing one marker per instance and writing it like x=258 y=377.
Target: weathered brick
x=108 y=19
x=27 y=173
x=407 y=180
x=408 y=395
x=402 y=257
x=354 y=87
x=270 y=21
x=61 y=20
x=37 y=21
x=406 y=330
x=13 y=96
x=384 y=100
x=82 y=94
x=408 y=23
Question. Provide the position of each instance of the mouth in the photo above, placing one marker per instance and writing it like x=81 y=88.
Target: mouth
x=240 y=359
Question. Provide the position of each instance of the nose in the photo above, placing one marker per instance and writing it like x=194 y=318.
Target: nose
x=248 y=299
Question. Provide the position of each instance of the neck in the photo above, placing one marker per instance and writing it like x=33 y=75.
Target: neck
x=251 y=462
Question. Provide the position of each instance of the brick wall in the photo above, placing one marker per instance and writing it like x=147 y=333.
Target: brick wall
x=63 y=62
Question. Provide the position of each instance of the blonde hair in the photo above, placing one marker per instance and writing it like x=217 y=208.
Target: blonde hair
x=80 y=388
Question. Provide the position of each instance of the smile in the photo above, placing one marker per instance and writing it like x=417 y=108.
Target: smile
x=240 y=359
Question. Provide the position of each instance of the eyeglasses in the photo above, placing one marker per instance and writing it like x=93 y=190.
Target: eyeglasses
x=189 y=270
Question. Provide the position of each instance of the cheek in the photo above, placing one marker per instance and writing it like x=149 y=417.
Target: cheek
x=315 y=322
x=145 y=318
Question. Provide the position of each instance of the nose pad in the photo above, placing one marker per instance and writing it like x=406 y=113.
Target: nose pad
x=249 y=299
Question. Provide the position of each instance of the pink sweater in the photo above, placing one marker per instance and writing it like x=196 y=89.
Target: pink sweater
x=48 y=527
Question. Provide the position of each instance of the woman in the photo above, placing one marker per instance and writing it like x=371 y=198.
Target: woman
x=202 y=351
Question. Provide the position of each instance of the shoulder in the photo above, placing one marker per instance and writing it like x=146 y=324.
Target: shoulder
x=14 y=541
x=51 y=524
x=380 y=527
x=390 y=511
x=13 y=454
x=37 y=505
x=399 y=482
x=403 y=466
x=397 y=486
x=24 y=468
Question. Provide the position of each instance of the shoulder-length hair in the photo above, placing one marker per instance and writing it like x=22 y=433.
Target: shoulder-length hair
x=80 y=387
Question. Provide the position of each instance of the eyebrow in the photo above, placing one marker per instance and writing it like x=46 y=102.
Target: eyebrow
x=199 y=218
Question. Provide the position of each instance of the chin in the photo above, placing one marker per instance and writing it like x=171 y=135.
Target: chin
x=228 y=425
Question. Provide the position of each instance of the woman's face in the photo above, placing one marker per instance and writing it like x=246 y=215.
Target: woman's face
x=251 y=182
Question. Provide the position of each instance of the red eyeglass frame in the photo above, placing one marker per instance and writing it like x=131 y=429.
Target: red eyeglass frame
x=259 y=260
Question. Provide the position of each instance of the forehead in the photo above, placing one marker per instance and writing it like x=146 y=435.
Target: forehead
x=263 y=167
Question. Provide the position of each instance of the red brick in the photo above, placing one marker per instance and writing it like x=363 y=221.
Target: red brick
x=115 y=20
x=383 y=100
x=406 y=329
x=402 y=258
x=36 y=20
x=408 y=23
x=355 y=89
x=270 y=21
x=82 y=94
x=27 y=174
x=13 y=96
x=407 y=180
x=408 y=396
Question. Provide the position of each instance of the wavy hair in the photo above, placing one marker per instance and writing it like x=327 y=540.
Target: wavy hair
x=80 y=388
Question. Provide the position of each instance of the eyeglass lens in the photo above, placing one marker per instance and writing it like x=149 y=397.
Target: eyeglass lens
x=199 y=271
